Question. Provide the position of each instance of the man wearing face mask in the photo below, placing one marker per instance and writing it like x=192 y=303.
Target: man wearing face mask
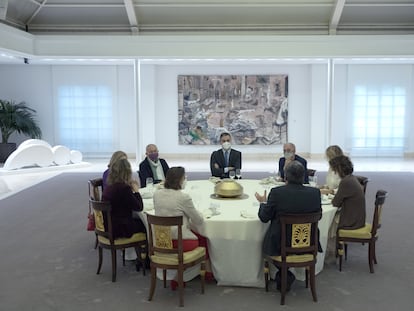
x=289 y=150
x=225 y=159
x=152 y=166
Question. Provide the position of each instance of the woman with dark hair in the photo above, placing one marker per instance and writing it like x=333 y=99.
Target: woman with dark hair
x=124 y=197
x=350 y=201
x=171 y=201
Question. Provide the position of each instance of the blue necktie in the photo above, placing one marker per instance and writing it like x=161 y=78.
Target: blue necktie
x=226 y=158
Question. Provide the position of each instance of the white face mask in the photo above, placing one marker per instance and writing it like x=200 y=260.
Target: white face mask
x=226 y=145
x=288 y=155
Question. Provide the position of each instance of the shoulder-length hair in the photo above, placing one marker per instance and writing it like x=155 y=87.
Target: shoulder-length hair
x=342 y=165
x=174 y=177
x=333 y=151
x=120 y=172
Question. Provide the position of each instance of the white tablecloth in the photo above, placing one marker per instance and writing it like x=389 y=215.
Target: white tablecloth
x=234 y=241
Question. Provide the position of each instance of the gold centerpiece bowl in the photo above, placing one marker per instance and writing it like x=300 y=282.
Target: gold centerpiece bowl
x=228 y=188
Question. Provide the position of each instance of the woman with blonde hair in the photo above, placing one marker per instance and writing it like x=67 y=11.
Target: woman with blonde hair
x=332 y=178
x=115 y=157
x=124 y=197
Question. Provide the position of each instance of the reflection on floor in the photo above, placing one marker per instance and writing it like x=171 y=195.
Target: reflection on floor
x=14 y=181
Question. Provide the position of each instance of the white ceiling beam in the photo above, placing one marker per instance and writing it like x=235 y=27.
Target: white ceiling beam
x=336 y=16
x=41 y=5
x=132 y=17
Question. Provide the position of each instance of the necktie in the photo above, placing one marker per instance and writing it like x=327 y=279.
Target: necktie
x=226 y=158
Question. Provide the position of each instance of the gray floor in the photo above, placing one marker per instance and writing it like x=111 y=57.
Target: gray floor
x=48 y=261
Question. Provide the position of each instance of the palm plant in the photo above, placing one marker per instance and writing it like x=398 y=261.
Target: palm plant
x=17 y=118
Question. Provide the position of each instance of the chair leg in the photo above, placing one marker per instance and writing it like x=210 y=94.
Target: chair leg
x=313 y=283
x=283 y=283
x=99 y=260
x=153 y=282
x=307 y=277
x=203 y=275
x=96 y=241
x=180 y=275
x=123 y=257
x=374 y=252
x=346 y=251
x=371 y=251
x=164 y=277
x=340 y=253
x=113 y=255
x=266 y=274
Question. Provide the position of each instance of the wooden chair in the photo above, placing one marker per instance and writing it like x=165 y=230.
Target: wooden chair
x=367 y=234
x=164 y=256
x=300 y=250
x=95 y=193
x=102 y=212
x=363 y=181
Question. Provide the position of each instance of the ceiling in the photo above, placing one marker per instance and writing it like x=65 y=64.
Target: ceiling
x=151 y=17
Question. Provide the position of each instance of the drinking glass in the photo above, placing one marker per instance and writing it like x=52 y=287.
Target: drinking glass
x=313 y=181
x=150 y=183
x=238 y=173
x=232 y=174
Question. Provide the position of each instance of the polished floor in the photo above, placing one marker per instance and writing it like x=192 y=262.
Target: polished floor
x=14 y=181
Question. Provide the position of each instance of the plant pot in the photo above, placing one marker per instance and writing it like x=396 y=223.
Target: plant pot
x=5 y=150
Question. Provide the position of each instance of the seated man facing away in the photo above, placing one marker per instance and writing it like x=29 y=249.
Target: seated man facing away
x=289 y=152
x=225 y=159
x=292 y=198
x=152 y=166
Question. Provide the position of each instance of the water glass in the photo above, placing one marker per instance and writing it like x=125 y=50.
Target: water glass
x=232 y=174
x=313 y=181
x=238 y=173
x=149 y=183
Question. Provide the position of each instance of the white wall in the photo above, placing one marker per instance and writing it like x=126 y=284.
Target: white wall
x=154 y=118
x=307 y=84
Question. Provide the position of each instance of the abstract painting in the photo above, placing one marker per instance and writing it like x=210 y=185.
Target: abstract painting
x=252 y=108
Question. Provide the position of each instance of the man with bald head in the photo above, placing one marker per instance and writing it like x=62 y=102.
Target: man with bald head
x=289 y=155
x=152 y=166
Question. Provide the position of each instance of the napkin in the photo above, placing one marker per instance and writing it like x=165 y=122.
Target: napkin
x=209 y=212
x=325 y=199
x=248 y=213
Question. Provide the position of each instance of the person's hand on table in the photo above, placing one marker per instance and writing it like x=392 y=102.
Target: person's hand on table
x=261 y=198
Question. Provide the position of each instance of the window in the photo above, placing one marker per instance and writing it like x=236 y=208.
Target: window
x=85 y=118
x=378 y=120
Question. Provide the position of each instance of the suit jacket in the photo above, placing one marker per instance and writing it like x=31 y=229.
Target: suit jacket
x=288 y=199
x=145 y=171
x=218 y=157
x=282 y=161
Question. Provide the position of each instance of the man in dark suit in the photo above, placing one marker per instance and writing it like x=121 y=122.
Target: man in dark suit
x=152 y=166
x=289 y=155
x=226 y=159
x=292 y=198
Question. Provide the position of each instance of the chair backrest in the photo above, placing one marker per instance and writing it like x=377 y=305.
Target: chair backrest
x=95 y=188
x=379 y=203
x=299 y=233
x=160 y=238
x=363 y=181
x=103 y=220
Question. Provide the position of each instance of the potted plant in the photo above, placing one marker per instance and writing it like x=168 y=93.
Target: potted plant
x=16 y=118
